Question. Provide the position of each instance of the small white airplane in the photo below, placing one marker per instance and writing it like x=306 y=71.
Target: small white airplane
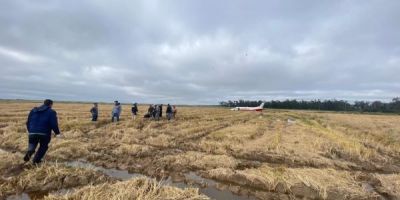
x=258 y=108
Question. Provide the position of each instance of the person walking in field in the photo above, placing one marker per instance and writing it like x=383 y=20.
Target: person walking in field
x=161 y=110
x=174 y=111
x=149 y=112
x=153 y=114
x=134 y=110
x=41 y=122
x=95 y=112
x=157 y=112
x=116 y=111
x=169 y=112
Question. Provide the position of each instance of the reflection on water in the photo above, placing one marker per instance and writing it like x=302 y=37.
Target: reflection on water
x=208 y=187
x=23 y=196
x=118 y=174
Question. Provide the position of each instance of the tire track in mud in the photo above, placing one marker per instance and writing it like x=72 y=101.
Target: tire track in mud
x=271 y=193
x=254 y=158
x=373 y=184
x=250 y=159
x=299 y=190
x=213 y=188
x=206 y=186
x=43 y=185
x=190 y=179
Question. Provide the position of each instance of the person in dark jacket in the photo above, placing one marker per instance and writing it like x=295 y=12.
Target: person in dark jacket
x=150 y=111
x=169 y=112
x=41 y=121
x=161 y=110
x=95 y=112
x=134 y=111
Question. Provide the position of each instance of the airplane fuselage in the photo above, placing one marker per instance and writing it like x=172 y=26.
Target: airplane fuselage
x=259 y=109
x=248 y=109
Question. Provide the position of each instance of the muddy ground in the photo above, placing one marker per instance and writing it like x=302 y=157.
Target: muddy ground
x=205 y=153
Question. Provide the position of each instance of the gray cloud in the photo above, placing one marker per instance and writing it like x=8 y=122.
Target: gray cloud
x=199 y=52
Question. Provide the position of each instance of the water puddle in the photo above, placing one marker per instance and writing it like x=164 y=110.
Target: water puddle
x=368 y=187
x=115 y=173
x=22 y=196
x=26 y=196
x=208 y=187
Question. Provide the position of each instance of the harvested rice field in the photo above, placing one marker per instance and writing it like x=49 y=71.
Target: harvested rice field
x=204 y=153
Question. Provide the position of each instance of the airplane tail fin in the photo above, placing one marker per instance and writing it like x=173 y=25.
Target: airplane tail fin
x=262 y=105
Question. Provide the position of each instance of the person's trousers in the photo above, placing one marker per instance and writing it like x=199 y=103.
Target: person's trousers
x=94 y=118
x=169 y=116
x=115 y=115
x=34 y=140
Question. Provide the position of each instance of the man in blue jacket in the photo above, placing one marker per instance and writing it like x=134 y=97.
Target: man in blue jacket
x=41 y=121
x=116 y=111
x=95 y=112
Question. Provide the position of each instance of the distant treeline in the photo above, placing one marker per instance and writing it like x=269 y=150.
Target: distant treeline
x=331 y=105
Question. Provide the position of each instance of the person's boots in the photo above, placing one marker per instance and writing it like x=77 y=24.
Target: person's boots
x=37 y=162
x=28 y=155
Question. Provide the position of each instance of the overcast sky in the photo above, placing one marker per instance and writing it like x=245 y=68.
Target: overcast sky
x=199 y=52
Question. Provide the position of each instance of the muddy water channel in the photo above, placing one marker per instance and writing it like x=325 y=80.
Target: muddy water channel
x=206 y=186
x=23 y=196
x=115 y=173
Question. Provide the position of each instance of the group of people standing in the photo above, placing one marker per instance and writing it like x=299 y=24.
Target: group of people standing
x=154 y=111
